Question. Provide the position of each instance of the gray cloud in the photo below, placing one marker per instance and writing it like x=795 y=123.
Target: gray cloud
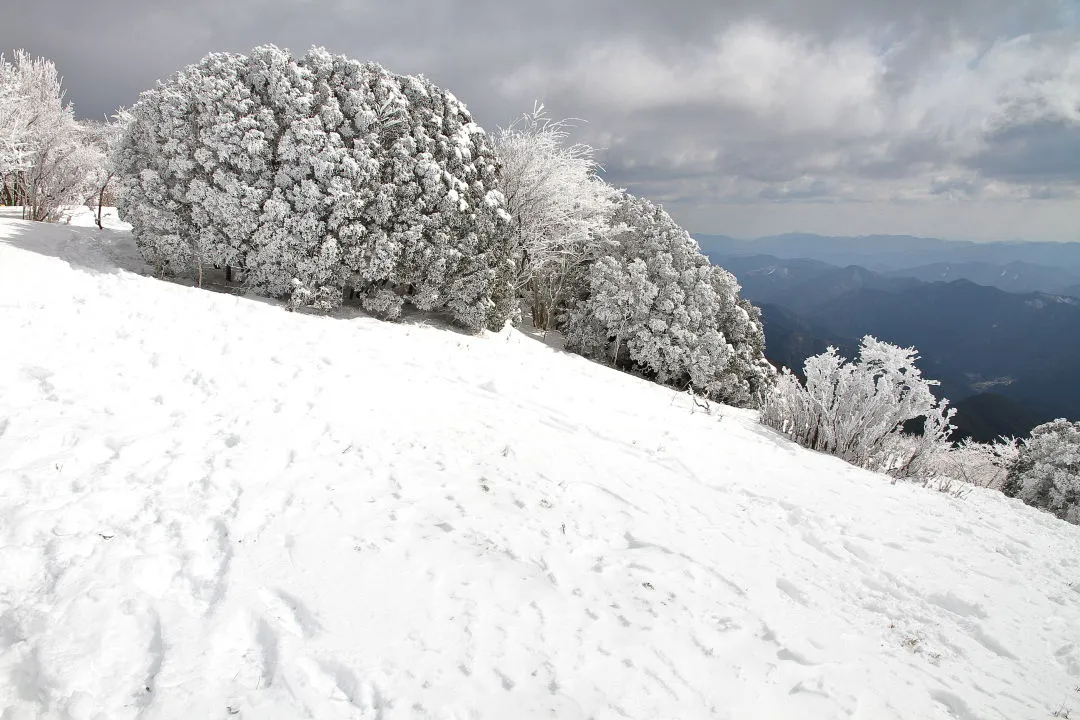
x=929 y=113
x=810 y=189
x=962 y=187
x=1040 y=152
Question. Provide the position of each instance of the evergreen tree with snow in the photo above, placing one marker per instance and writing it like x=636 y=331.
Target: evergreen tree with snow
x=315 y=174
x=1047 y=472
x=436 y=230
x=160 y=163
x=649 y=301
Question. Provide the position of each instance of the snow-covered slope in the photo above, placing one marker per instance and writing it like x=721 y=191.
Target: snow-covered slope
x=212 y=508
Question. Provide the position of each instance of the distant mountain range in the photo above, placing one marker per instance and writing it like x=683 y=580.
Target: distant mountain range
x=1007 y=360
x=1011 y=266
x=1015 y=277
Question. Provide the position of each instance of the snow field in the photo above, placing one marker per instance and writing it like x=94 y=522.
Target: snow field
x=212 y=508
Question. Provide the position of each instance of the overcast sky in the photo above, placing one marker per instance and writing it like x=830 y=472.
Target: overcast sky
x=949 y=118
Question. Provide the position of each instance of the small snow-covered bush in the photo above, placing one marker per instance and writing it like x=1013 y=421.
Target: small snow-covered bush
x=959 y=468
x=649 y=301
x=1047 y=472
x=313 y=174
x=980 y=464
x=857 y=410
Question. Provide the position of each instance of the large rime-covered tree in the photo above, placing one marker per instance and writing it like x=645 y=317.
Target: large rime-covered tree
x=439 y=228
x=649 y=301
x=557 y=205
x=156 y=164
x=313 y=174
x=1047 y=472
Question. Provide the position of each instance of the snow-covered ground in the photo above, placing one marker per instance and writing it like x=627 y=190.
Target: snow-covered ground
x=213 y=508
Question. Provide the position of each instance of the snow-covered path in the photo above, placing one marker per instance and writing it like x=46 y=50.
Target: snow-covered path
x=212 y=508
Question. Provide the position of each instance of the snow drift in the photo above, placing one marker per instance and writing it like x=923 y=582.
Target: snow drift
x=212 y=508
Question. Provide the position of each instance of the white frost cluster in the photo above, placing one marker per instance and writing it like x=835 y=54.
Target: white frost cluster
x=985 y=464
x=651 y=302
x=1047 y=473
x=316 y=174
x=857 y=410
x=47 y=161
x=558 y=205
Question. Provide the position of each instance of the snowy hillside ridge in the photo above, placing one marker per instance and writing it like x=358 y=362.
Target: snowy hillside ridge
x=212 y=508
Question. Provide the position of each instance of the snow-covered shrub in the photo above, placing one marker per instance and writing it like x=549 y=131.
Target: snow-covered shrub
x=318 y=173
x=857 y=410
x=1047 y=472
x=557 y=203
x=981 y=464
x=649 y=301
x=959 y=468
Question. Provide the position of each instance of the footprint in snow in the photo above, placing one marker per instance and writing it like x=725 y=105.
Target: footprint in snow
x=789 y=588
x=856 y=550
x=956 y=606
x=953 y=704
x=293 y=616
x=788 y=655
x=337 y=682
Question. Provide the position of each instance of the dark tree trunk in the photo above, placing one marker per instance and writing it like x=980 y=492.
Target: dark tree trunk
x=100 y=199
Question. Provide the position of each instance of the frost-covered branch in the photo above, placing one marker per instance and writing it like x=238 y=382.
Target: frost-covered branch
x=980 y=464
x=556 y=201
x=45 y=158
x=105 y=137
x=13 y=114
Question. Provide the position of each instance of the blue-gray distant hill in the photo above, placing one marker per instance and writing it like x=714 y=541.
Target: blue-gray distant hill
x=1023 y=348
x=1052 y=267
x=1015 y=277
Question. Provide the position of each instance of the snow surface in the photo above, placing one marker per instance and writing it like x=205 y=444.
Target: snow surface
x=213 y=508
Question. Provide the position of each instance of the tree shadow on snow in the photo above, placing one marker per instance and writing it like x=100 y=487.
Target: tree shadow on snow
x=90 y=249
x=432 y=319
x=105 y=251
x=551 y=338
